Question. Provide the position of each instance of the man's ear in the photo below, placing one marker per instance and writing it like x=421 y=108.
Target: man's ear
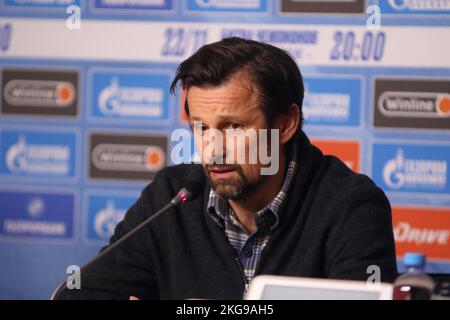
x=288 y=123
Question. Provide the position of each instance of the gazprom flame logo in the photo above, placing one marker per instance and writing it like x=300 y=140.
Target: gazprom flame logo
x=117 y=100
x=107 y=218
x=401 y=172
x=326 y=105
x=36 y=207
x=38 y=158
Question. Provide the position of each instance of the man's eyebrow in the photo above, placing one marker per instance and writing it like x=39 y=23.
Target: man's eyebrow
x=192 y=119
x=220 y=117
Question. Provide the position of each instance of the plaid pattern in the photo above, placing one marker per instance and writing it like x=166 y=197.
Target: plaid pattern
x=248 y=247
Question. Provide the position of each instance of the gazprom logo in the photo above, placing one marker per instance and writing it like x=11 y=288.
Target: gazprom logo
x=107 y=218
x=118 y=100
x=26 y=158
x=401 y=172
x=422 y=5
x=35 y=207
x=327 y=105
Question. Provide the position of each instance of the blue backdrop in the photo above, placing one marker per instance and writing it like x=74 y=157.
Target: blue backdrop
x=86 y=116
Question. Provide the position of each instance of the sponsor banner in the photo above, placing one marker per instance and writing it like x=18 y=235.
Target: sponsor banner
x=412 y=103
x=133 y=95
x=132 y=5
x=349 y=151
x=126 y=156
x=37 y=215
x=172 y=42
x=415 y=6
x=332 y=100
x=40 y=4
x=238 y=6
x=39 y=92
x=323 y=6
x=38 y=154
x=411 y=168
x=104 y=212
x=425 y=230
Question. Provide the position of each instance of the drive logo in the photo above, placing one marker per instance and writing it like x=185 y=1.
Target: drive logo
x=33 y=154
x=415 y=6
x=424 y=230
x=104 y=212
x=412 y=103
x=41 y=92
x=348 y=151
x=411 y=168
x=133 y=96
x=332 y=101
x=36 y=215
x=129 y=157
x=228 y=5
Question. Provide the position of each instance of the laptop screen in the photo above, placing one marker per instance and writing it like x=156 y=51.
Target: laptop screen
x=277 y=292
x=268 y=287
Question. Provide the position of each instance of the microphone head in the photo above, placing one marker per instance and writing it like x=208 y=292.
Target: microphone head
x=194 y=183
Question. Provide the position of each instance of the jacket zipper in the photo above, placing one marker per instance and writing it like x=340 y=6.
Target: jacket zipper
x=236 y=259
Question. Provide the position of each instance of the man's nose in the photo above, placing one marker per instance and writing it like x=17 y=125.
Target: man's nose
x=215 y=147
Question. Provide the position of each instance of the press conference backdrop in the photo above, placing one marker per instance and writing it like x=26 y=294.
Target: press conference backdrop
x=87 y=119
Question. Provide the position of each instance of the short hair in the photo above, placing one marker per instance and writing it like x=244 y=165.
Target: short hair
x=273 y=71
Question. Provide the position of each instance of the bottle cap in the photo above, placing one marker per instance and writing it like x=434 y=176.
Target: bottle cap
x=413 y=259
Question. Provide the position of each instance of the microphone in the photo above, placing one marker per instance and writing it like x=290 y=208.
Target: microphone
x=189 y=192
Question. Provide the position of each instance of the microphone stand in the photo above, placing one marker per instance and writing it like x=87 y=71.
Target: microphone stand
x=182 y=196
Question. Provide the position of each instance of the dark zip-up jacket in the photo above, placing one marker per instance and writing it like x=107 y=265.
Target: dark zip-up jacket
x=335 y=224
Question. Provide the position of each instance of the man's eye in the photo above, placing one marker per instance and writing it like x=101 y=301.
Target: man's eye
x=235 y=125
x=200 y=127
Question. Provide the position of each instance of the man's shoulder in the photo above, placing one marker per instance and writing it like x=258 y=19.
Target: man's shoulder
x=337 y=176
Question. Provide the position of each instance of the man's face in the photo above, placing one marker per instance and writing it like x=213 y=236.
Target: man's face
x=232 y=105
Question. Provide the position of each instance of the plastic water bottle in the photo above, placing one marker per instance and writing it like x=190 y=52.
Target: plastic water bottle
x=414 y=284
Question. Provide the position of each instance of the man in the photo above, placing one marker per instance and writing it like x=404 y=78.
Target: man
x=312 y=217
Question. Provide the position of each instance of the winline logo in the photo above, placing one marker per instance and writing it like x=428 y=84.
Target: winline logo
x=414 y=104
x=39 y=93
x=127 y=157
